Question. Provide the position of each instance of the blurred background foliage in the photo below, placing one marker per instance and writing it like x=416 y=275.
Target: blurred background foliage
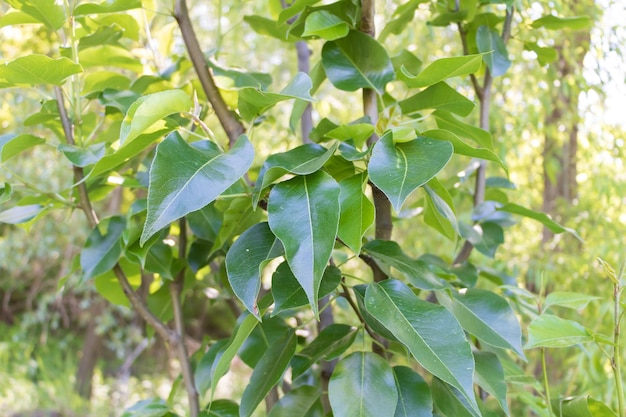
x=46 y=311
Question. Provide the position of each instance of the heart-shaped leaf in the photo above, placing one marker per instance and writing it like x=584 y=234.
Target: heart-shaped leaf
x=363 y=385
x=357 y=212
x=268 y=372
x=418 y=324
x=487 y=316
x=38 y=69
x=357 y=61
x=304 y=214
x=398 y=169
x=102 y=251
x=257 y=246
x=185 y=179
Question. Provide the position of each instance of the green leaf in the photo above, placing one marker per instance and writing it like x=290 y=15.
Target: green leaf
x=6 y=191
x=447 y=121
x=102 y=251
x=581 y=406
x=246 y=324
x=554 y=22
x=439 y=212
x=358 y=132
x=418 y=325
x=487 y=316
x=106 y=7
x=573 y=300
x=266 y=334
x=545 y=55
x=490 y=377
x=184 y=179
x=303 y=401
x=399 y=169
x=246 y=259
x=16 y=18
x=329 y=344
x=449 y=402
x=221 y=408
x=302 y=160
x=204 y=370
x=551 y=331
x=48 y=12
x=491 y=236
x=538 y=216
x=145 y=115
x=253 y=102
x=304 y=214
x=153 y=407
x=463 y=148
x=401 y=17
x=242 y=78
x=357 y=212
x=363 y=385
x=288 y=293
x=325 y=25
x=445 y=68
x=20 y=214
x=109 y=56
x=269 y=27
x=414 y=397
x=389 y=254
x=38 y=69
x=488 y=40
x=357 y=61
x=108 y=286
x=11 y=146
x=268 y=373
x=81 y=157
x=440 y=97
x=238 y=216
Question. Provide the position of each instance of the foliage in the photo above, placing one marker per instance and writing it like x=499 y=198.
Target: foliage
x=296 y=232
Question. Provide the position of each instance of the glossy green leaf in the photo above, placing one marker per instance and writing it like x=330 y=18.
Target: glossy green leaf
x=11 y=146
x=357 y=61
x=221 y=408
x=303 y=401
x=238 y=215
x=288 y=293
x=108 y=286
x=153 y=407
x=488 y=40
x=449 y=402
x=20 y=214
x=104 y=35
x=445 y=68
x=401 y=17
x=389 y=254
x=206 y=222
x=38 y=69
x=490 y=377
x=102 y=250
x=555 y=22
x=301 y=160
x=551 y=331
x=325 y=25
x=358 y=132
x=399 y=169
x=16 y=18
x=48 y=12
x=106 y=7
x=246 y=259
x=491 y=237
x=109 y=56
x=414 y=397
x=439 y=212
x=581 y=406
x=439 y=97
x=245 y=325
x=363 y=385
x=463 y=148
x=487 y=316
x=269 y=27
x=204 y=370
x=241 y=78
x=447 y=121
x=253 y=102
x=184 y=179
x=145 y=115
x=357 y=212
x=81 y=157
x=266 y=334
x=304 y=214
x=538 y=216
x=573 y=300
x=329 y=344
x=418 y=325
x=268 y=373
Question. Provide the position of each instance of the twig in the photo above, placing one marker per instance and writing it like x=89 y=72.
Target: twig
x=229 y=121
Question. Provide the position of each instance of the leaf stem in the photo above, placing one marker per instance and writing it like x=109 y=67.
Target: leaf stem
x=616 y=362
x=545 y=381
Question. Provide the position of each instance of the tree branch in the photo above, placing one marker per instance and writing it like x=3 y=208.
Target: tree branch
x=229 y=121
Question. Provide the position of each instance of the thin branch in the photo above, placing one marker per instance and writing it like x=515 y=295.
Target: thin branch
x=229 y=121
x=477 y=88
x=368 y=329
